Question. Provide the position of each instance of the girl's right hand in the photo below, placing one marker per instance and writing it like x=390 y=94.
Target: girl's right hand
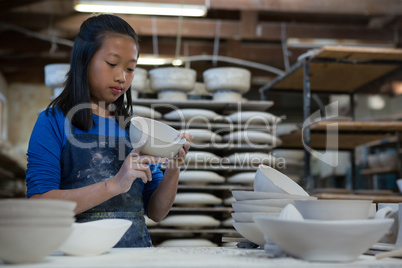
x=134 y=166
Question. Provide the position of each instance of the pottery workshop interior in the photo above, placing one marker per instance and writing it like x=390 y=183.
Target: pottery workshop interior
x=218 y=133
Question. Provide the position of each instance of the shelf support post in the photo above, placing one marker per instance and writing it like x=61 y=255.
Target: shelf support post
x=308 y=183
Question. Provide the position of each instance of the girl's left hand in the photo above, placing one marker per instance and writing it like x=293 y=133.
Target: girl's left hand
x=178 y=159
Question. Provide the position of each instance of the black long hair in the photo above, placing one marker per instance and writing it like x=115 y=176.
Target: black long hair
x=76 y=91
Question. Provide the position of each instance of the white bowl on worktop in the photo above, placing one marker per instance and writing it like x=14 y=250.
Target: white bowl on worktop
x=31 y=229
x=334 y=209
x=94 y=237
x=318 y=240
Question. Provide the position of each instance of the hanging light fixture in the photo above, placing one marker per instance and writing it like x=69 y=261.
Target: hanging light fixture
x=140 y=8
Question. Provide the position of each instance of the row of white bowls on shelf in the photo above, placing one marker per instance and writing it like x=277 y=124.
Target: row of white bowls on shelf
x=383 y=160
x=281 y=217
x=162 y=140
x=31 y=229
x=174 y=83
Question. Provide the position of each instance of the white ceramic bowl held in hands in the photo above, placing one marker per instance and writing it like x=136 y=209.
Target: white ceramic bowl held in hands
x=157 y=139
x=95 y=237
x=317 y=240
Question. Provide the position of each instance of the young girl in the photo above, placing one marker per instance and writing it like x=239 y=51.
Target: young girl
x=79 y=148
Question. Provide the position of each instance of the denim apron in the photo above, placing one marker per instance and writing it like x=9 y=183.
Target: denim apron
x=84 y=166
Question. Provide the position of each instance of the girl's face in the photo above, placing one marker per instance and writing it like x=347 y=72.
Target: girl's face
x=111 y=68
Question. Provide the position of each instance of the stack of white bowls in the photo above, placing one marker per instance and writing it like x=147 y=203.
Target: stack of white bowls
x=227 y=83
x=31 y=229
x=172 y=83
x=272 y=192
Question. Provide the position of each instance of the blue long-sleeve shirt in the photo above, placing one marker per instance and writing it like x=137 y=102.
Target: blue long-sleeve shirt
x=46 y=144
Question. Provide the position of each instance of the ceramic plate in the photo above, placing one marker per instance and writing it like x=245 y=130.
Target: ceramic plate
x=252 y=195
x=253 y=117
x=193 y=115
x=190 y=221
x=252 y=137
x=196 y=199
x=242 y=177
x=200 y=177
x=203 y=136
x=146 y=112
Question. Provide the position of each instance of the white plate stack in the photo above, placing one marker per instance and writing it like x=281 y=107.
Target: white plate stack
x=31 y=229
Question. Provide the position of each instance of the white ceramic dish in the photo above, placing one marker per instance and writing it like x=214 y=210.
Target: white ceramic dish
x=268 y=179
x=242 y=178
x=252 y=195
x=328 y=241
x=252 y=137
x=399 y=183
x=39 y=208
x=160 y=139
x=192 y=115
x=227 y=96
x=203 y=135
x=334 y=209
x=281 y=203
x=172 y=78
x=284 y=129
x=241 y=207
x=389 y=159
x=248 y=216
x=202 y=157
x=251 y=159
x=190 y=221
x=30 y=243
x=199 y=90
x=296 y=155
x=139 y=82
x=228 y=201
x=251 y=232
x=95 y=237
x=147 y=112
x=172 y=95
x=37 y=221
x=374 y=161
x=55 y=74
x=200 y=177
x=149 y=222
x=196 y=199
x=193 y=242
x=253 y=117
x=227 y=78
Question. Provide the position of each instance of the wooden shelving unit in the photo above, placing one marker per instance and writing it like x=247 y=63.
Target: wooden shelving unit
x=337 y=70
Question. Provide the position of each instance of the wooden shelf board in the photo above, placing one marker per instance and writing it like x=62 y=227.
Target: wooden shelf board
x=205 y=104
x=227 y=147
x=375 y=198
x=356 y=126
x=383 y=142
x=319 y=140
x=191 y=231
x=216 y=187
x=201 y=209
x=373 y=171
x=223 y=127
x=341 y=77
